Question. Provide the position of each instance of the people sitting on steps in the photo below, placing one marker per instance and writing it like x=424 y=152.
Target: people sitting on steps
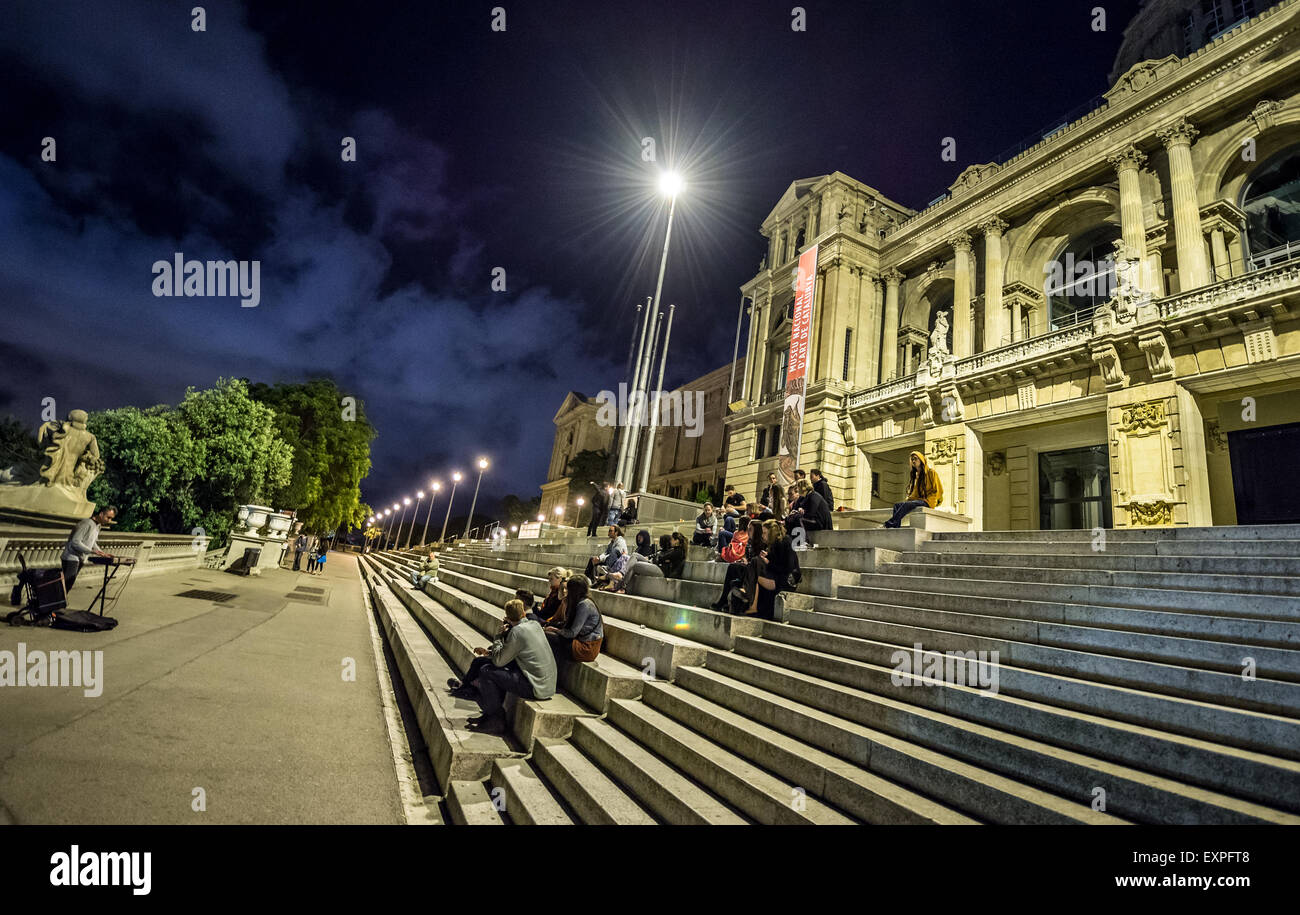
x=427 y=572
x=812 y=513
x=644 y=543
x=742 y=568
x=773 y=497
x=617 y=546
x=821 y=487
x=628 y=515
x=552 y=605
x=640 y=561
x=580 y=637
x=923 y=490
x=778 y=570
x=519 y=662
x=672 y=558
x=706 y=525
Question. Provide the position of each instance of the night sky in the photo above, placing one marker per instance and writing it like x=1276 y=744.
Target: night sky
x=475 y=149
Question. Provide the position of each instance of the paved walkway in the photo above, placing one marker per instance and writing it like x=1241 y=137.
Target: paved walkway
x=244 y=698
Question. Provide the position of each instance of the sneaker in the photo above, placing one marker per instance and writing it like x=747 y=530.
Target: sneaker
x=487 y=724
x=453 y=683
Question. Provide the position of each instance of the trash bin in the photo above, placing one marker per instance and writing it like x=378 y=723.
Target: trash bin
x=252 y=556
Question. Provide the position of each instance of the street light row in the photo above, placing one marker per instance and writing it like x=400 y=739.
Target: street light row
x=405 y=502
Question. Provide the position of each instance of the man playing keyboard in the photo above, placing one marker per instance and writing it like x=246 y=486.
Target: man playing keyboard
x=84 y=543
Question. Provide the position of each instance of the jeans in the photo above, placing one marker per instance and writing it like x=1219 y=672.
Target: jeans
x=495 y=683
x=419 y=580
x=724 y=538
x=611 y=516
x=297 y=560
x=70 y=569
x=902 y=508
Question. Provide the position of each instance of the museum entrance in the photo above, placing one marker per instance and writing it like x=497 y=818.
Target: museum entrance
x=1262 y=460
x=1074 y=489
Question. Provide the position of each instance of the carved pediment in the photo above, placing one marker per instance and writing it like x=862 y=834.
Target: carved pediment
x=972 y=176
x=1142 y=75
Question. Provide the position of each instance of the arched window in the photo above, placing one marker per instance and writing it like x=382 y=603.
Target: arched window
x=1271 y=199
x=1082 y=277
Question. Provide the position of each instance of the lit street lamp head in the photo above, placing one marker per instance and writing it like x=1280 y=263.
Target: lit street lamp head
x=419 y=495
x=482 y=463
x=671 y=184
x=456 y=476
x=406 y=500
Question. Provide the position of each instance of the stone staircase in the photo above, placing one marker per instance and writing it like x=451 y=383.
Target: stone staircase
x=1117 y=694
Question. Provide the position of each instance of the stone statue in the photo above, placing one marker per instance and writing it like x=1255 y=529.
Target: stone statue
x=939 y=336
x=71 y=453
x=69 y=464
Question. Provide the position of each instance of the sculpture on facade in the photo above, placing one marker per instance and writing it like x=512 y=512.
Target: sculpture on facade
x=939 y=336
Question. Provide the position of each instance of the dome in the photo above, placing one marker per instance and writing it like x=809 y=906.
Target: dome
x=1179 y=27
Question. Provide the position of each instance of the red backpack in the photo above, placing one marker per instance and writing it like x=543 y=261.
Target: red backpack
x=735 y=550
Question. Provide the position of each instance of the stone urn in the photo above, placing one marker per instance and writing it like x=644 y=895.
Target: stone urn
x=257 y=515
x=241 y=518
x=278 y=526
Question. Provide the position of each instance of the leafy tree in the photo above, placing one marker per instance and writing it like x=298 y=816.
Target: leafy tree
x=18 y=447
x=587 y=466
x=517 y=511
x=175 y=469
x=330 y=439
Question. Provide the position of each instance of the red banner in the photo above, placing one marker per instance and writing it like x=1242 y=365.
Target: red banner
x=796 y=376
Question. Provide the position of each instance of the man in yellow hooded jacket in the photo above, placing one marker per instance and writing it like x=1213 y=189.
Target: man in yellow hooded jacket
x=923 y=490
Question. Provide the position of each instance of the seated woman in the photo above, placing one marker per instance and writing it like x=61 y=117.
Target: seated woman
x=644 y=545
x=923 y=490
x=580 y=637
x=637 y=566
x=552 y=608
x=705 y=526
x=628 y=514
x=778 y=570
x=740 y=567
x=673 y=559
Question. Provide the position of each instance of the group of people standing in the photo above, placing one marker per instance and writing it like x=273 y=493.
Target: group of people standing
x=316 y=550
x=610 y=504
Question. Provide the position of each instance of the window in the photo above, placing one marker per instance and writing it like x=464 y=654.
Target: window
x=1211 y=18
x=759 y=442
x=1242 y=9
x=875 y=483
x=848 y=346
x=1082 y=277
x=774 y=441
x=1271 y=200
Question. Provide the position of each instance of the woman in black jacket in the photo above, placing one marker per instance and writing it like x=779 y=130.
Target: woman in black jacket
x=743 y=572
x=673 y=559
x=778 y=569
x=812 y=513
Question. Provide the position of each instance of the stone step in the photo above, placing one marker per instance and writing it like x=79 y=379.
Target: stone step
x=655 y=653
x=753 y=791
x=1131 y=792
x=1258 y=776
x=708 y=627
x=593 y=683
x=470 y=804
x=1283 y=549
x=1222 y=532
x=663 y=790
x=1064 y=650
x=900 y=540
x=1268 y=733
x=1212 y=603
x=528 y=719
x=456 y=752
x=526 y=798
x=1105 y=578
x=877 y=779
x=1199 y=565
x=1234 y=630
x=593 y=796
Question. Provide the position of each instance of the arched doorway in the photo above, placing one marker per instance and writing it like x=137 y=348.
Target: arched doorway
x=1082 y=277
x=1271 y=201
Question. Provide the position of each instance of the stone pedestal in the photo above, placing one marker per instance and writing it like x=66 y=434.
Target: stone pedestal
x=240 y=541
x=37 y=502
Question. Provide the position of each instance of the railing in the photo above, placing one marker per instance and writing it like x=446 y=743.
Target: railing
x=772 y=396
x=1279 y=255
x=885 y=391
x=1284 y=276
x=152 y=552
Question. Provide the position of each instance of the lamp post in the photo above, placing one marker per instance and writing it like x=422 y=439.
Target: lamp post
x=482 y=466
x=383 y=546
x=419 y=496
x=397 y=507
x=455 y=478
x=581 y=502
x=433 y=497
x=654 y=410
x=406 y=501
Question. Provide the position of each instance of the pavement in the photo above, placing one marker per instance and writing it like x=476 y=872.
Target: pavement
x=241 y=707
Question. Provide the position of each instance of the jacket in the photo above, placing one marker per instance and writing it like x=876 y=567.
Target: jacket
x=585 y=625
x=526 y=645
x=815 y=507
x=672 y=561
x=823 y=489
x=925 y=485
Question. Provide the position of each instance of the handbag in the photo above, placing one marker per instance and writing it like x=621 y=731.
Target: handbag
x=586 y=651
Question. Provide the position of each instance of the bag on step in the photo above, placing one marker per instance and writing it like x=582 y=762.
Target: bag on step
x=82 y=621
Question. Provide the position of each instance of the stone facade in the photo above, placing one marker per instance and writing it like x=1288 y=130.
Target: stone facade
x=684 y=462
x=1123 y=298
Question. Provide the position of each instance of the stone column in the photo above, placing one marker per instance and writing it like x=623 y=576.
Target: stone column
x=889 y=346
x=1219 y=246
x=1016 y=335
x=1192 y=268
x=1128 y=163
x=961 y=335
x=868 y=331
x=824 y=321
x=994 y=313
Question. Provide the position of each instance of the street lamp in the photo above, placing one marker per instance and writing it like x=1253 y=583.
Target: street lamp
x=581 y=502
x=424 y=538
x=384 y=545
x=397 y=506
x=419 y=496
x=482 y=466
x=559 y=511
x=455 y=478
x=406 y=501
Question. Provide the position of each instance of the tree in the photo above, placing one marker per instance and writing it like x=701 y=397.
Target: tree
x=330 y=437
x=18 y=447
x=517 y=511
x=176 y=469
x=586 y=467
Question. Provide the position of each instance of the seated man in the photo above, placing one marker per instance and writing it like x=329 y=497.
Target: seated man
x=705 y=526
x=520 y=661
x=598 y=566
x=812 y=513
x=427 y=572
